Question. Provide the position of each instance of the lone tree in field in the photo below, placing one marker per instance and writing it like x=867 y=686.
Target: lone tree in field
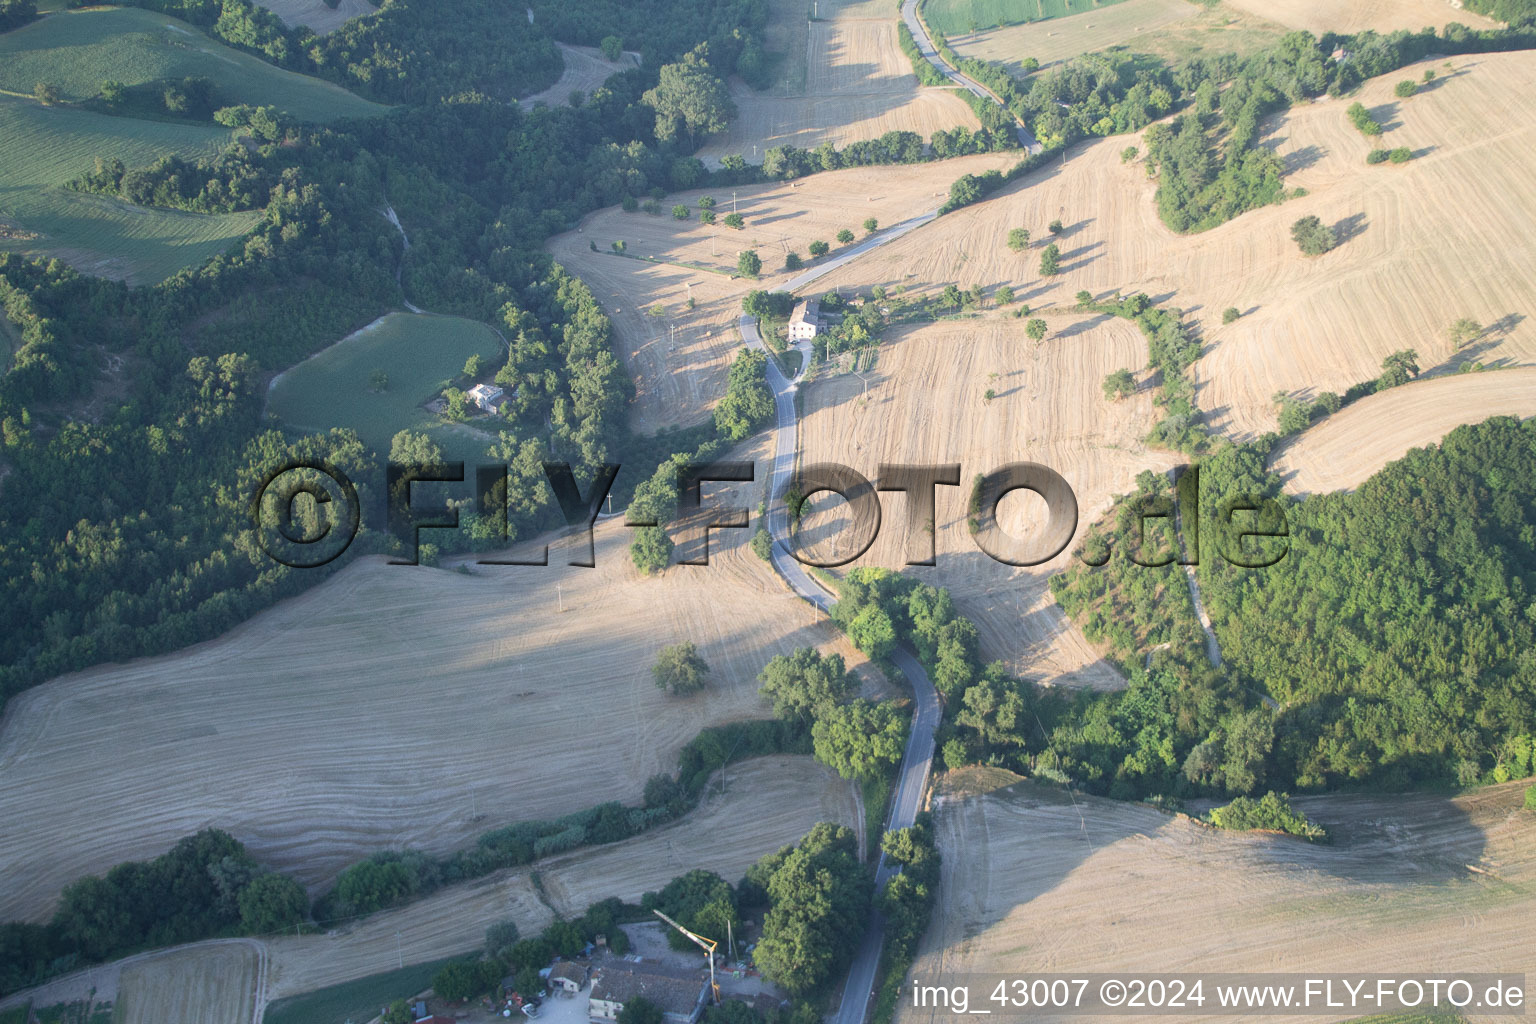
x=1055 y=227
x=679 y=670
x=1018 y=239
x=1035 y=329
x=1405 y=88
x=1464 y=332
x=1118 y=385
x=749 y=263
x=871 y=224
x=819 y=248
x=1313 y=236
x=844 y=237
x=792 y=261
x=1084 y=299
x=612 y=47
x=735 y=220
x=1003 y=296
x=1398 y=368
x=1230 y=314
x=689 y=100
x=1050 y=261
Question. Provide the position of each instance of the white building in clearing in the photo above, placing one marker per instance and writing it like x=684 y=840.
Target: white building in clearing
x=681 y=1001
x=486 y=396
x=805 y=321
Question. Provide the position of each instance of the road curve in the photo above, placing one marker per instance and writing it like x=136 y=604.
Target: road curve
x=917 y=761
x=930 y=53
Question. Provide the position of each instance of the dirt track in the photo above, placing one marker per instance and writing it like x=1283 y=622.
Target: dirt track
x=586 y=69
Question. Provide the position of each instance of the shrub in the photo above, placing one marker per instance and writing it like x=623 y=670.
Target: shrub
x=762 y=544
x=1313 y=236
x=844 y=236
x=1003 y=296
x=679 y=212
x=652 y=207
x=706 y=202
x=1018 y=239
x=1230 y=314
x=749 y=263
x=734 y=220
x=1271 y=813
x=612 y=47
x=1055 y=227
x=1035 y=329
x=871 y=225
x=819 y=248
x=1405 y=88
x=792 y=261
x=630 y=204
x=1401 y=155
x=1377 y=156
x=1530 y=798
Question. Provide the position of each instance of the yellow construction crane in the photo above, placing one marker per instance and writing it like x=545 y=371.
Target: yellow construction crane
x=708 y=945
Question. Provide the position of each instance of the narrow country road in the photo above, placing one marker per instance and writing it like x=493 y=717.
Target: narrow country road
x=931 y=54
x=918 y=759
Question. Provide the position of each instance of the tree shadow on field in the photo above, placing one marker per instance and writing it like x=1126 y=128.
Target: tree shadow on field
x=1386 y=114
x=1350 y=227
x=1396 y=839
x=1083 y=326
x=1302 y=159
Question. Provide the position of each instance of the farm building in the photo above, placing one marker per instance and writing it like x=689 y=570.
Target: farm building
x=681 y=1000
x=805 y=321
x=486 y=396
x=568 y=977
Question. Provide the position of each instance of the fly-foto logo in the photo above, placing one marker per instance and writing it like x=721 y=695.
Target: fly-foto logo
x=1250 y=531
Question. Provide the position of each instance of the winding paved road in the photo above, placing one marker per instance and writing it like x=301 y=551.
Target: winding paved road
x=918 y=759
x=931 y=54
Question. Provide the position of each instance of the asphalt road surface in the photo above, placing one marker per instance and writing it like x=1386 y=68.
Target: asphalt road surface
x=918 y=759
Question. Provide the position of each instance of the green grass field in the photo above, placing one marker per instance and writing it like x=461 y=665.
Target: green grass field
x=42 y=148
x=76 y=51
x=355 y=1000
x=419 y=353
x=958 y=17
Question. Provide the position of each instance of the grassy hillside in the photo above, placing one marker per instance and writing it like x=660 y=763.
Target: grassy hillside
x=956 y=17
x=76 y=51
x=419 y=353
x=46 y=147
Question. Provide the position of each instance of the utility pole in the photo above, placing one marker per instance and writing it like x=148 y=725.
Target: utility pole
x=733 y=200
x=560 y=598
x=399 y=953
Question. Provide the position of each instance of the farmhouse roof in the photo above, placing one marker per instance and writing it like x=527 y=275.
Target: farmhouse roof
x=673 y=995
x=568 y=972
x=806 y=310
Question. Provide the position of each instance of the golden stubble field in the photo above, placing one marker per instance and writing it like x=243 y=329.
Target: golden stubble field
x=923 y=402
x=1344 y=450
x=857 y=85
x=1445 y=236
x=679 y=359
x=586 y=69
x=389 y=707
x=1037 y=881
x=1319 y=16
x=767 y=803
x=317 y=14
x=1172 y=29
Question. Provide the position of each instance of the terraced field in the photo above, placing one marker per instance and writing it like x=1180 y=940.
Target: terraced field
x=76 y=51
x=46 y=147
x=419 y=353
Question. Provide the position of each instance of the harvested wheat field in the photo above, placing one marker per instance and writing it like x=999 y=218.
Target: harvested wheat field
x=1034 y=880
x=209 y=982
x=1320 y=16
x=679 y=378
x=925 y=404
x=1172 y=29
x=389 y=706
x=857 y=85
x=768 y=802
x=317 y=15
x=1352 y=445
x=586 y=69
x=1420 y=248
